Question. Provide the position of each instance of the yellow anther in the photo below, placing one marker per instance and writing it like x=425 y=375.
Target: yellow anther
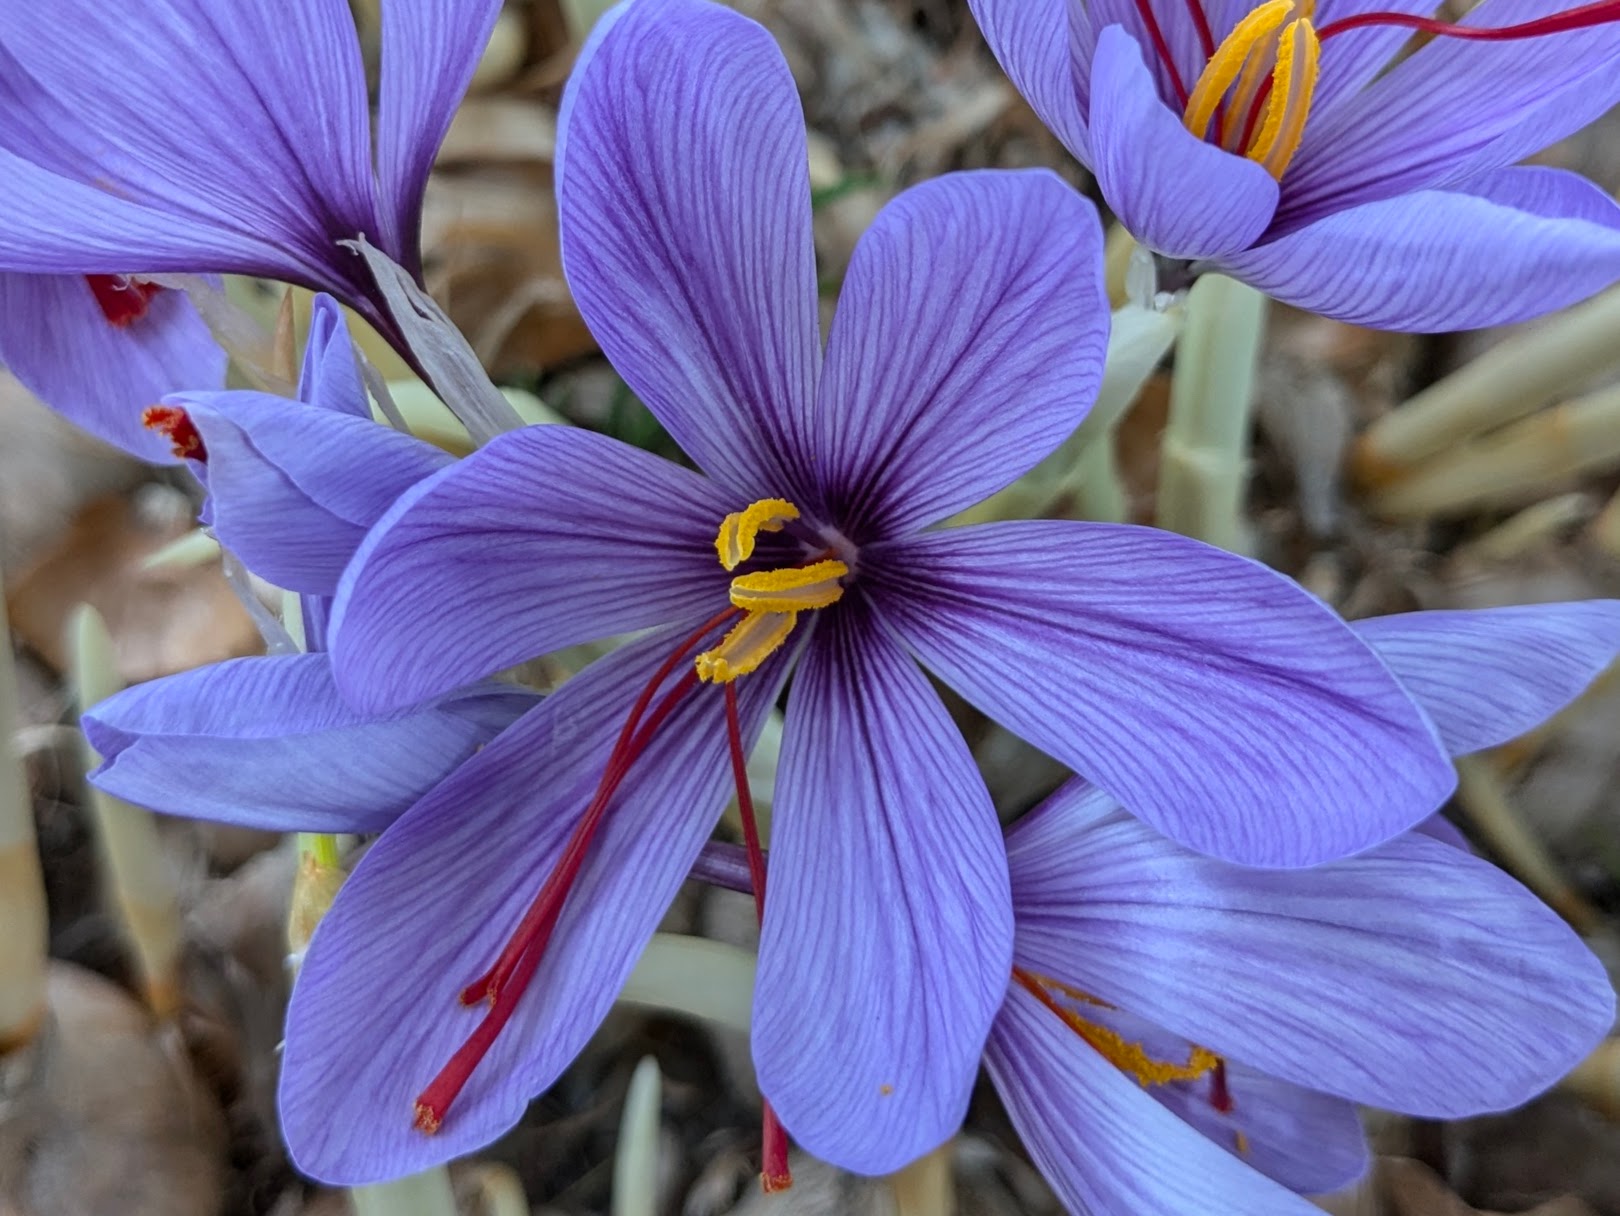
x=1292 y=86
x=1249 y=38
x=1128 y=1057
x=795 y=589
x=750 y=642
x=740 y=529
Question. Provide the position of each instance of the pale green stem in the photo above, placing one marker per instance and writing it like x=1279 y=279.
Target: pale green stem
x=1524 y=460
x=635 y=1164
x=22 y=886
x=1507 y=382
x=195 y=548
x=926 y=1186
x=1098 y=491
x=426 y=1194
x=1204 y=464
x=136 y=870
x=695 y=976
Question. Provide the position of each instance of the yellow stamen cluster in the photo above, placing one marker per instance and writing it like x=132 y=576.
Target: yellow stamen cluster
x=1130 y=1058
x=1277 y=41
x=771 y=599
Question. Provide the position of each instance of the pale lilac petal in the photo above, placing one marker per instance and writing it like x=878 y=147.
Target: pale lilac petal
x=293 y=488
x=968 y=343
x=1490 y=675
x=1440 y=108
x=885 y=950
x=374 y=1014
x=251 y=116
x=429 y=51
x=544 y=538
x=1176 y=194
x=268 y=743
x=684 y=195
x=1351 y=60
x=1443 y=830
x=1215 y=698
x=55 y=338
x=1385 y=979
x=1504 y=247
x=1105 y=1146
x=1033 y=41
x=1180 y=35
x=330 y=376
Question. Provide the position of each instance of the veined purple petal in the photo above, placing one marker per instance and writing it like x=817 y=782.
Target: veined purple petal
x=1504 y=246
x=968 y=343
x=868 y=1049
x=268 y=743
x=1490 y=675
x=1215 y=698
x=429 y=51
x=1437 y=110
x=1033 y=41
x=375 y=1015
x=55 y=338
x=1351 y=60
x=293 y=488
x=330 y=376
x=1105 y=1145
x=684 y=198
x=1175 y=24
x=252 y=114
x=1176 y=194
x=544 y=538
x=1387 y=978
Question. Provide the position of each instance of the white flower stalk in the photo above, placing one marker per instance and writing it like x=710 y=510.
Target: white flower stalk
x=1204 y=460
x=136 y=871
x=635 y=1164
x=22 y=888
x=925 y=1187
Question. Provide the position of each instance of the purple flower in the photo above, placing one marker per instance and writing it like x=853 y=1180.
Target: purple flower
x=100 y=348
x=1215 y=697
x=197 y=137
x=268 y=742
x=1281 y=147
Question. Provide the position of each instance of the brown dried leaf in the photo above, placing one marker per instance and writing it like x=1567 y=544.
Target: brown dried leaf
x=162 y=621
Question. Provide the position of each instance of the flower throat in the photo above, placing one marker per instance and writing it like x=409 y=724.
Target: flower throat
x=1253 y=96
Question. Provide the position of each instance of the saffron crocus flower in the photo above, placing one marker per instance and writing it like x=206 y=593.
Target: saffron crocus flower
x=267 y=742
x=1279 y=145
x=1181 y=1034
x=967 y=344
x=196 y=137
x=100 y=348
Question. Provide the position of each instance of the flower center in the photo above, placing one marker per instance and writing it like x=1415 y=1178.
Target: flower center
x=123 y=300
x=175 y=425
x=771 y=600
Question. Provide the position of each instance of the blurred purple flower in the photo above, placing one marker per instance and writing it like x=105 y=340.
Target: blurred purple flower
x=1216 y=698
x=1283 y=147
x=268 y=742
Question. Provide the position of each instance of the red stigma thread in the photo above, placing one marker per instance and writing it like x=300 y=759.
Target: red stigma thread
x=123 y=300
x=503 y=984
x=1220 y=1097
x=774 y=1174
x=1162 y=47
x=175 y=425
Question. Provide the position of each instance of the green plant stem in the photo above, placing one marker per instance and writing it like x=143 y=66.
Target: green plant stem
x=925 y=1187
x=635 y=1163
x=426 y=1194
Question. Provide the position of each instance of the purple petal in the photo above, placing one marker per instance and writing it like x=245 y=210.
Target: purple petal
x=268 y=743
x=884 y=841
x=684 y=198
x=1105 y=1145
x=968 y=343
x=330 y=376
x=55 y=338
x=1176 y=194
x=251 y=116
x=1035 y=44
x=429 y=51
x=1490 y=675
x=374 y=1014
x=1353 y=59
x=1444 y=105
x=1212 y=696
x=1180 y=36
x=293 y=488
x=1386 y=978
x=544 y=538
x=1505 y=246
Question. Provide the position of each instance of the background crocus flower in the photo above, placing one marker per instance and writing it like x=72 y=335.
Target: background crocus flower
x=100 y=348
x=1381 y=195
x=1183 y=1034
x=196 y=137
x=968 y=342
x=267 y=742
